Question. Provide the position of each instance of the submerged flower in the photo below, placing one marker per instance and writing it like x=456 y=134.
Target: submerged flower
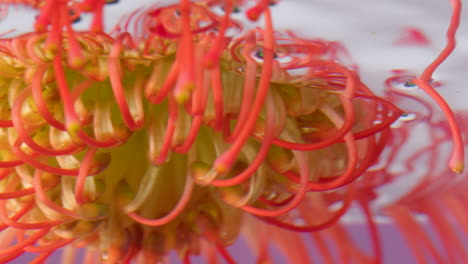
x=179 y=129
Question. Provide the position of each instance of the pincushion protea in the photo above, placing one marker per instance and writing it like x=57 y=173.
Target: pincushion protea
x=168 y=135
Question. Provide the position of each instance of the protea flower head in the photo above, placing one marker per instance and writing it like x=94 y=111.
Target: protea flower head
x=179 y=130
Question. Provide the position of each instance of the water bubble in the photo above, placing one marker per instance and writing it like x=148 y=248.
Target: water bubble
x=284 y=58
x=235 y=9
x=76 y=18
x=407 y=117
x=104 y=256
x=409 y=84
x=403 y=83
x=259 y=54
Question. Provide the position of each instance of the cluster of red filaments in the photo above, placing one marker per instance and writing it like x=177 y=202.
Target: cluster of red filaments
x=427 y=219
x=162 y=134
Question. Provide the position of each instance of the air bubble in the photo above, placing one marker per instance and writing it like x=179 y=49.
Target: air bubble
x=407 y=117
x=258 y=55
x=235 y=9
x=403 y=83
x=104 y=256
x=406 y=83
x=75 y=17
